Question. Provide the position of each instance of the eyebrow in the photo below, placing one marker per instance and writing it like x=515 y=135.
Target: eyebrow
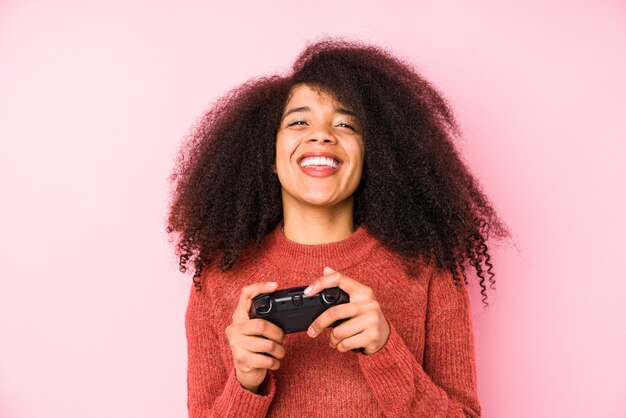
x=340 y=110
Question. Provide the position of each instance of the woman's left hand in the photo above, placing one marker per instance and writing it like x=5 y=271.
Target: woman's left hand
x=367 y=327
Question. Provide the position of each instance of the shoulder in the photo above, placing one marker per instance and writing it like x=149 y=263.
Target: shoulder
x=420 y=278
x=447 y=295
x=221 y=289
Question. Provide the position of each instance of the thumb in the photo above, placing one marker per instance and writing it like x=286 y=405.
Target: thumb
x=328 y=270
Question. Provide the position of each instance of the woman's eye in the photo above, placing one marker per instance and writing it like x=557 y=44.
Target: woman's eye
x=346 y=125
x=297 y=123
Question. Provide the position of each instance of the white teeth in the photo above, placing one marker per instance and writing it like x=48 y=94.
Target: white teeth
x=319 y=161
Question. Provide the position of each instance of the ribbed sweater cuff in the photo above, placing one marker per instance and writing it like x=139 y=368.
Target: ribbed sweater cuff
x=240 y=402
x=399 y=380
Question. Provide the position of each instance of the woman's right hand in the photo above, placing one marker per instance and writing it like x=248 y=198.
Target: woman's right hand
x=248 y=338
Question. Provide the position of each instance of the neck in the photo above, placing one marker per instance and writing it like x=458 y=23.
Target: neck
x=318 y=225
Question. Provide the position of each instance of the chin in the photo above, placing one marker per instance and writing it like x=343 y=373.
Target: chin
x=325 y=200
x=322 y=201
x=317 y=197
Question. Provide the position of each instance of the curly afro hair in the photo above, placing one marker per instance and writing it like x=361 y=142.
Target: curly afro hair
x=416 y=196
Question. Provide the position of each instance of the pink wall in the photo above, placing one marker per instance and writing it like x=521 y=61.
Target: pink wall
x=94 y=101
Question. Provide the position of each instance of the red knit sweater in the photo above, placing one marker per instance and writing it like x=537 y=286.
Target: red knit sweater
x=426 y=368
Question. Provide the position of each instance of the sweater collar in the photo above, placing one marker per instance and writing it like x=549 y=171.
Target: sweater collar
x=308 y=258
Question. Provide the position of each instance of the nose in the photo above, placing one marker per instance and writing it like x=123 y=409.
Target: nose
x=322 y=136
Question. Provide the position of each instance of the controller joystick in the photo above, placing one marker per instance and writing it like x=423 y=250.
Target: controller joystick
x=330 y=296
x=263 y=305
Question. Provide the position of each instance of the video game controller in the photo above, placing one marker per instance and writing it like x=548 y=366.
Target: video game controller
x=293 y=311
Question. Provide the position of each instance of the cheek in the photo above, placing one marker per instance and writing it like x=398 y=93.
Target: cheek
x=357 y=154
x=280 y=150
x=356 y=178
x=284 y=151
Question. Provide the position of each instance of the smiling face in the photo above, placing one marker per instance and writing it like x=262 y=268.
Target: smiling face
x=319 y=150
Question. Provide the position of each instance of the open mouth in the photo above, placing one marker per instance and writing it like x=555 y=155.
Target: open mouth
x=319 y=162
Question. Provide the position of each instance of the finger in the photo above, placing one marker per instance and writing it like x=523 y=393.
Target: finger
x=350 y=286
x=261 y=345
x=347 y=344
x=263 y=328
x=328 y=280
x=242 y=312
x=247 y=361
x=328 y=317
x=348 y=329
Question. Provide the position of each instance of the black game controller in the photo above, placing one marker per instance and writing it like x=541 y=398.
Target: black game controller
x=293 y=311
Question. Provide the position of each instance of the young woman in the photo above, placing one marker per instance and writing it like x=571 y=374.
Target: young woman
x=341 y=173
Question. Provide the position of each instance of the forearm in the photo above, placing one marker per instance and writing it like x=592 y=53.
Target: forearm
x=212 y=387
x=402 y=387
x=233 y=401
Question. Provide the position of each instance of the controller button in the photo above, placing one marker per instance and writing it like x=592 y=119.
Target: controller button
x=297 y=300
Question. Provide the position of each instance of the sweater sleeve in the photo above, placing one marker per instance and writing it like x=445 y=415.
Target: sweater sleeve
x=212 y=388
x=445 y=386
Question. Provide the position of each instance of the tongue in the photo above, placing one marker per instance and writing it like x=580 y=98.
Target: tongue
x=318 y=170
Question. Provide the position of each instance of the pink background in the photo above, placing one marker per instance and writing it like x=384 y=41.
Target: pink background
x=94 y=102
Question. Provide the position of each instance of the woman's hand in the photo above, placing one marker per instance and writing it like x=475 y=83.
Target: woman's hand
x=367 y=326
x=248 y=338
